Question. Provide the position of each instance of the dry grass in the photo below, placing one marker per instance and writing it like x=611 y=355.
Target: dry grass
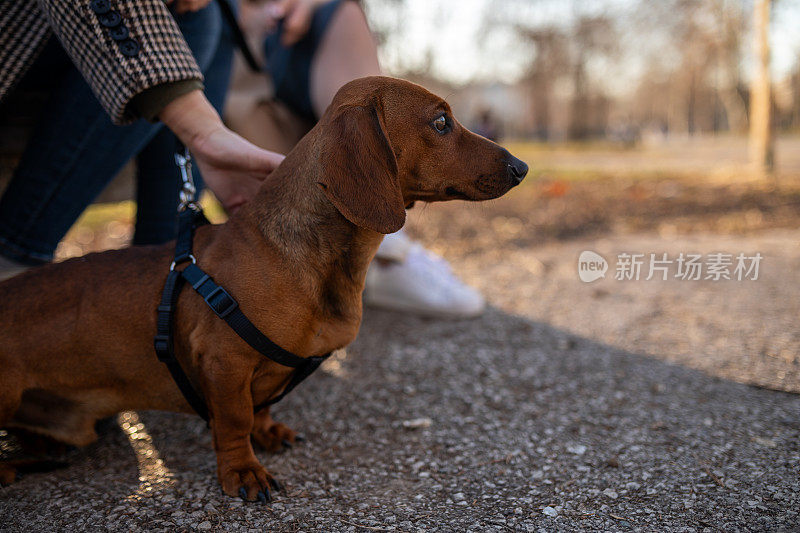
x=110 y=225
x=573 y=191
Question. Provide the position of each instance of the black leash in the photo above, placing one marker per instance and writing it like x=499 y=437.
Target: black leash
x=238 y=36
x=190 y=216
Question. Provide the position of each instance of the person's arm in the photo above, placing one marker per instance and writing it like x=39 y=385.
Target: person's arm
x=296 y=16
x=232 y=167
x=135 y=59
x=121 y=47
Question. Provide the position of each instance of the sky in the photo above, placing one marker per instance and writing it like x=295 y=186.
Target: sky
x=450 y=30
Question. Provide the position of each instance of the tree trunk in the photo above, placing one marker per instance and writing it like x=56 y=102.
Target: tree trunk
x=761 y=143
x=541 y=103
x=796 y=97
x=578 y=130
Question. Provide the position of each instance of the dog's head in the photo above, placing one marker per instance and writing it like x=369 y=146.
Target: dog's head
x=389 y=142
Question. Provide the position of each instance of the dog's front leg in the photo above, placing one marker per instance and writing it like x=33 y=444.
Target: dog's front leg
x=231 y=419
x=270 y=435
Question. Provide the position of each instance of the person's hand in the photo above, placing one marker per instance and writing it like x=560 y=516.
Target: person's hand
x=184 y=6
x=296 y=16
x=232 y=167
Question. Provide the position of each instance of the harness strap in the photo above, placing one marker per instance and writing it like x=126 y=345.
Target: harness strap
x=188 y=220
x=164 y=344
x=226 y=308
x=229 y=15
x=310 y=364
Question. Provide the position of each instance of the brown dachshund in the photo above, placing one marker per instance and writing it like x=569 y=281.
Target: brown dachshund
x=77 y=336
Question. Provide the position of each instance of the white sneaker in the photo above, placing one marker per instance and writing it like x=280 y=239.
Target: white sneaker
x=394 y=247
x=422 y=283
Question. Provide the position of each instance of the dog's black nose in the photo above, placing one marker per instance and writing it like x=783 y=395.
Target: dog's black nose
x=517 y=169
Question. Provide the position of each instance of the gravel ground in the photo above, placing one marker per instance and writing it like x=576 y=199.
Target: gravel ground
x=609 y=406
x=531 y=429
x=523 y=252
x=745 y=331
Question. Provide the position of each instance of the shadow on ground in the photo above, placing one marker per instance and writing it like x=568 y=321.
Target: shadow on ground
x=530 y=428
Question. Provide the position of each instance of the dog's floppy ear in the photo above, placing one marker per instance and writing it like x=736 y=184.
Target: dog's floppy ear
x=359 y=170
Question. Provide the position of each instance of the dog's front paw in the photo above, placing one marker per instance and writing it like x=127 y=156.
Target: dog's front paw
x=249 y=481
x=274 y=436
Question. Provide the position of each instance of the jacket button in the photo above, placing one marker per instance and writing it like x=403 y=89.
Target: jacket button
x=101 y=6
x=119 y=33
x=110 y=19
x=129 y=47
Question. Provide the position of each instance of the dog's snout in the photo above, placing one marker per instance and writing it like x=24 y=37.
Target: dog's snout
x=517 y=169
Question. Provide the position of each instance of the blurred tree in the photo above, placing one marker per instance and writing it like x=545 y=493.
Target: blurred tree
x=591 y=36
x=794 y=121
x=562 y=54
x=762 y=155
x=693 y=52
x=549 y=63
x=731 y=26
x=667 y=67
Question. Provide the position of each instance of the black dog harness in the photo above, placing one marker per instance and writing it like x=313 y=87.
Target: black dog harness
x=190 y=216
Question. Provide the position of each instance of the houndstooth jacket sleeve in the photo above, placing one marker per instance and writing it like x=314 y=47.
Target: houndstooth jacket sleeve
x=122 y=47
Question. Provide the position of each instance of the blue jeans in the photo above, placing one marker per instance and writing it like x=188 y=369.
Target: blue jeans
x=76 y=150
x=290 y=67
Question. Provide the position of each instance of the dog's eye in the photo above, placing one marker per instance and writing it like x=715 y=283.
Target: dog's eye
x=440 y=124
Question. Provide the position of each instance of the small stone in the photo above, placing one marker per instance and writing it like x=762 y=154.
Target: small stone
x=417 y=423
x=577 y=449
x=204 y=526
x=769 y=443
x=549 y=511
x=611 y=493
x=458 y=496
